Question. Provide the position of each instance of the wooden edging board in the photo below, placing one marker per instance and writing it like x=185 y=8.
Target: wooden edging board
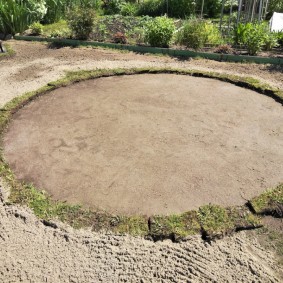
x=157 y=50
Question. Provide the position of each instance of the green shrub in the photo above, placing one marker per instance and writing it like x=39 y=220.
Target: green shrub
x=254 y=37
x=196 y=33
x=275 y=6
x=240 y=32
x=270 y=41
x=180 y=8
x=152 y=8
x=57 y=9
x=36 y=28
x=211 y=8
x=81 y=22
x=159 y=32
x=128 y=9
x=279 y=36
x=213 y=35
x=112 y=7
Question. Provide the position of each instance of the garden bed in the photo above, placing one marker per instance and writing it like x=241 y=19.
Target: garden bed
x=156 y=50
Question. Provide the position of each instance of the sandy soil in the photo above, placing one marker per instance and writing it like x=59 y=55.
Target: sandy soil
x=150 y=144
x=33 y=252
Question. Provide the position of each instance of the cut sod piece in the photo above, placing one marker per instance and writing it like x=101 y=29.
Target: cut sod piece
x=269 y=203
x=216 y=221
x=175 y=227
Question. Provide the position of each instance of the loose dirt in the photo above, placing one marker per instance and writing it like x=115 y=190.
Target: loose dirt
x=33 y=252
x=149 y=144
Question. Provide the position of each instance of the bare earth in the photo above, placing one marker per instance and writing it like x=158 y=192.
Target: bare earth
x=32 y=252
x=149 y=144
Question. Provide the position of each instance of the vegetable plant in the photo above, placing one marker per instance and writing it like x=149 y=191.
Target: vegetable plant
x=159 y=31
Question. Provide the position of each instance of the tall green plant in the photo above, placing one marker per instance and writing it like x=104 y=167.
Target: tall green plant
x=57 y=9
x=196 y=33
x=13 y=17
x=17 y=15
x=81 y=22
x=180 y=8
x=254 y=37
x=159 y=32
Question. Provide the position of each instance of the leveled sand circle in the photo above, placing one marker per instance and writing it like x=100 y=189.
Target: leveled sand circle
x=147 y=144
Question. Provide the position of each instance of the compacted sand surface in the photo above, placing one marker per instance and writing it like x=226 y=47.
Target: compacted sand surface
x=33 y=252
x=149 y=144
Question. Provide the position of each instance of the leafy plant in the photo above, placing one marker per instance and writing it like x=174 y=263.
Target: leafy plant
x=17 y=15
x=279 y=36
x=159 y=32
x=270 y=41
x=212 y=34
x=211 y=8
x=81 y=22
x=128 y=9
x=152 y=8
x=240 y=33
x=254 y=37
x=112 y=6
x=275 y=6
x=196 y=33
x=36 y=28
x=180 y=8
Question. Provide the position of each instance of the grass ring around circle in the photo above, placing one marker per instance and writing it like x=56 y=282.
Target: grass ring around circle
x=211 y=221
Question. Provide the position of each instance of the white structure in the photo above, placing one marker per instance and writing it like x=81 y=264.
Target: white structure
x=276 y=22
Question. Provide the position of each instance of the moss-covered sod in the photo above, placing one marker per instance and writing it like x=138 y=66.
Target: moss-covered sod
x=211 y=221
x=8 y=51
x=269 y=203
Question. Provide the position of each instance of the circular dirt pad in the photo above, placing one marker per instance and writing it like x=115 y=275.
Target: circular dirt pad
x=149 y=143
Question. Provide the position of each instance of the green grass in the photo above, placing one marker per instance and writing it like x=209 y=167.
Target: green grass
x=174 y=226
x=213 y=220
x=58 y=29
x=269 y=202
x=216 y=221
x=9 y=51
x=133 y=225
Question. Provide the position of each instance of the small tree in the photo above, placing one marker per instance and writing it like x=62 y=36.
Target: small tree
x=81 y=22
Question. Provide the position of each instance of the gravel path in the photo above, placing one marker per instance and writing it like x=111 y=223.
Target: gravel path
x=33 y=252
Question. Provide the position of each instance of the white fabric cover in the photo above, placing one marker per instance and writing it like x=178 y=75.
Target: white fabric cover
x=276 y=22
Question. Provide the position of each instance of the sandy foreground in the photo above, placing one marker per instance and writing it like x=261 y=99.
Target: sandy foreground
x=33 y=252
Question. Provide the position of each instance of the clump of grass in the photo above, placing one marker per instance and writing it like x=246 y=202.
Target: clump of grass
x=133 y=225
x=9 y=51
x=270 y=202
x=243 y=218
x=174 y=227
x=215 y=221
